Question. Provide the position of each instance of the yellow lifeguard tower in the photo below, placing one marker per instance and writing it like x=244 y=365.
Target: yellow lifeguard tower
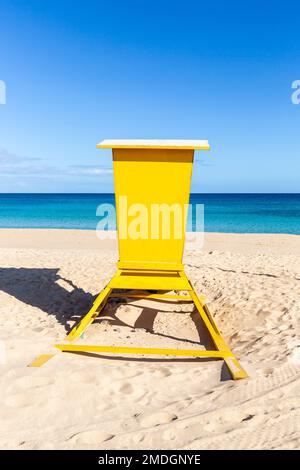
x=151 y=175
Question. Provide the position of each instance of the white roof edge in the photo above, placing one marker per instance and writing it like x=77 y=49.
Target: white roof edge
x=154 y=143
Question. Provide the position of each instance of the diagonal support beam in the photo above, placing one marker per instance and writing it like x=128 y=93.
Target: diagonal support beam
x=41 y=360
x=235 y=369
x=98 y=305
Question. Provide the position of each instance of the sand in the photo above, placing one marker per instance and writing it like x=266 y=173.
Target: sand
x=48 y=279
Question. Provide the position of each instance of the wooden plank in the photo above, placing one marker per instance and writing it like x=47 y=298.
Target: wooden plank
x=146 y=351
x=179 y=144
x=40 y=360
x=149 y=282
x=184 y=298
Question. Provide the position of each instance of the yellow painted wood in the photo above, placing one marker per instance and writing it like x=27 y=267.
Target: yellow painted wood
x=41 y=360
x=144 y=177
x=151 y=266
x=144 y=351
x=170 y=144
x=98 y=305
x=148 y=272
x=236 y=370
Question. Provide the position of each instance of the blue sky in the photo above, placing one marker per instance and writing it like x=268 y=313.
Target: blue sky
x=78 y=72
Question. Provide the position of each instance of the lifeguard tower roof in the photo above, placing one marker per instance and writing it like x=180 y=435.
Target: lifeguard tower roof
x=177 y=144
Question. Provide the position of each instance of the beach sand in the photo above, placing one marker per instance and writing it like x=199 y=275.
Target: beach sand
x=48 y=279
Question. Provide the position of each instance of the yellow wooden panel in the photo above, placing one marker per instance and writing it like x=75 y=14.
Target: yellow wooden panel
x=145 y=177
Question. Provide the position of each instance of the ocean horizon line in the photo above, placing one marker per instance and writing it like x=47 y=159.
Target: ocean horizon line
x=223 y=212
x=113 y=193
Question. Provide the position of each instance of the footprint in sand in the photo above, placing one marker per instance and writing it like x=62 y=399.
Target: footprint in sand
x=268 y=371
x=125 y=373
x=155 y=419
x=135 y=392
x=82 y=377
x=289 y=403
x=162 y=372
x=225 y=418
x=126 y=388
x=169 y=435
x=91 y=437
x=138 y=438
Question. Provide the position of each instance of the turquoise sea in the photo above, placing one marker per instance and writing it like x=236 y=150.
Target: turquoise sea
x=241 y=213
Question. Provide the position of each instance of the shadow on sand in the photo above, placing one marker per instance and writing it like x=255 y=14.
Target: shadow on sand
x=40 y=288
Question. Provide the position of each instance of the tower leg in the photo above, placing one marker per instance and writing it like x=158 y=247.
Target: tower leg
x=79 y=327
x=98 y=305
x=235 y=369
